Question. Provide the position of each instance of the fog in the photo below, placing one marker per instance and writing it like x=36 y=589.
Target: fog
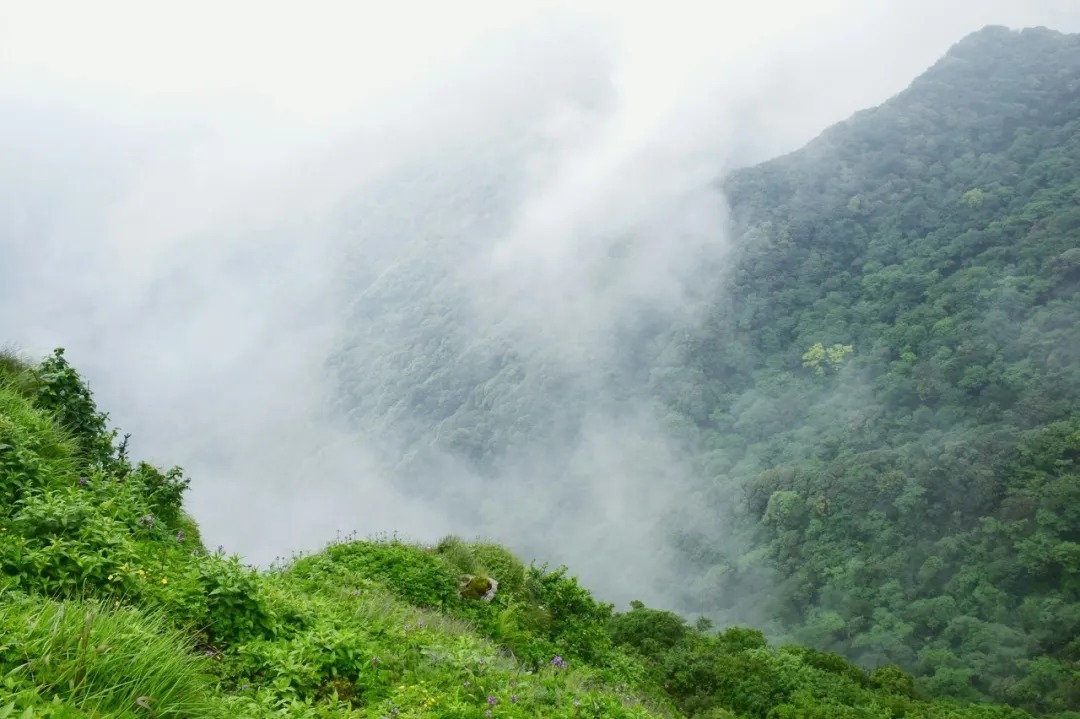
x=293 y=249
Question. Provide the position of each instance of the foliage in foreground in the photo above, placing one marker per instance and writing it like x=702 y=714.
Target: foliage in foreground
x=111 y=606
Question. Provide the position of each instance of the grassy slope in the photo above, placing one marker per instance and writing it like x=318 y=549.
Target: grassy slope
x=111 y=606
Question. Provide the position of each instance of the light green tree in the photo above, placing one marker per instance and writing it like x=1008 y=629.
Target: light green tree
x=973 y=197
x=819 y=357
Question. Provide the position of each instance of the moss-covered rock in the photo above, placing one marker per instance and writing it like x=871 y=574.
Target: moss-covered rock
x=478 y=587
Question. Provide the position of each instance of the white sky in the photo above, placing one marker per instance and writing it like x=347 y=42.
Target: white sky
x=320 y=59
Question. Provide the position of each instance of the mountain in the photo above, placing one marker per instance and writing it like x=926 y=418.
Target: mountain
x=111 y=606
x=850 y=419
x=855 y=428
x=886 y=386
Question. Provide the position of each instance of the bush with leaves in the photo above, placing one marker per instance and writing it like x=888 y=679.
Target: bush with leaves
x=61 y=391
x=237 y=606
x=34 y=453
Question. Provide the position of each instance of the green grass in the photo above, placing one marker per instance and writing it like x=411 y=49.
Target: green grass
x=101 y=657
x=12 y=365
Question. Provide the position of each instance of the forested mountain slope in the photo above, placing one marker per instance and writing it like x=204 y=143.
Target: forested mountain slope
x=859 y=428
x=888 y=381
x=111 y=606
x=875 y=376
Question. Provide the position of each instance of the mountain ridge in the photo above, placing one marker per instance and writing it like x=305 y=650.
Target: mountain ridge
x=933 y=240
x=112 y=606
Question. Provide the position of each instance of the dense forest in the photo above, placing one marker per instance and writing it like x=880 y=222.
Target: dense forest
x=890 y=381
x=893 y=378
x=877 y=379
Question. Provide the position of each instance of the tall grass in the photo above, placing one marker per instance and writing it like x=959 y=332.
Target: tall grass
x=11 y=364
x=103 y=660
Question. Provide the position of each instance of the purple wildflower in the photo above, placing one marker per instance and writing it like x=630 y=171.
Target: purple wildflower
x=83 y=481
x=180 y=536
x=513 y=698
x=492 y=700
x=558 y=662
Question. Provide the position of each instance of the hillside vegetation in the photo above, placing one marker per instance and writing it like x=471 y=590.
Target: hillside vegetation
x=110 y=606
x=889 y=378
x=881 y=398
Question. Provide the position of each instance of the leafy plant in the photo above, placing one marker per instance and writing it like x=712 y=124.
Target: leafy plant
x=61 y=391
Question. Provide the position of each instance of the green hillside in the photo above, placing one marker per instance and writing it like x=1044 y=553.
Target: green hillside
x=881 y=400
x=110 y=606
x=886 y=389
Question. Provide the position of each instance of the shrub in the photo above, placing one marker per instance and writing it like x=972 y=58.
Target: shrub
x=237 y=608
x=164 y=491
x=61 y=391
x=649 y=631
x=458 y=555
x=501 y=564
x=61 y=541
x=578 y=621
x=409 y=571
x=34 y=452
